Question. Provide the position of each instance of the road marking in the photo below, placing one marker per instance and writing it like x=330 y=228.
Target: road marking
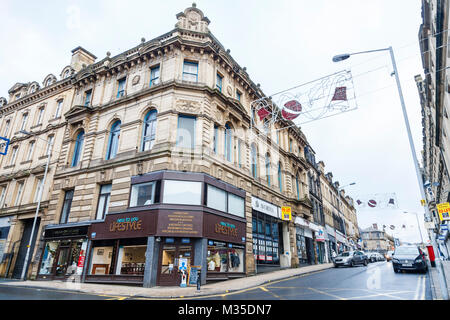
x=263 y=289
x=416 y=295
x=327 y=294
x=423 y=288
x=382 y=294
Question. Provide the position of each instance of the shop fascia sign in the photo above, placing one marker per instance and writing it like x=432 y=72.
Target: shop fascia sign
x=126 y=224
x=226 y=228
x=266 y=207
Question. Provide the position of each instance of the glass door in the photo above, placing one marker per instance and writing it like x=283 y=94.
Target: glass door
x=170 y=255
x=62 y=261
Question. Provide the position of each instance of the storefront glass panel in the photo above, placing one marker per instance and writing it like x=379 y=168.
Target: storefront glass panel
x=223 y=257
x=168 y=259
x=131 y=260
x=48 y=257
x=101 y=260
x=266 y=240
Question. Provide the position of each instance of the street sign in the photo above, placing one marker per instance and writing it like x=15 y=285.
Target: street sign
x=286 y=213
x=4 y=144
x=443 y=209
x=423 y=202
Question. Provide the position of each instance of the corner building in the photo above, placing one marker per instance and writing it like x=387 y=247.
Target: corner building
x=158 y=167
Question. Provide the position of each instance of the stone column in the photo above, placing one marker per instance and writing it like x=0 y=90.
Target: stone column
x=200 y=250
x=151 y=262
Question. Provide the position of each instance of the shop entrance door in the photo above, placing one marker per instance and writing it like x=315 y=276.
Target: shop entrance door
x=26 y=235
x=169 y=257
x=62 y=261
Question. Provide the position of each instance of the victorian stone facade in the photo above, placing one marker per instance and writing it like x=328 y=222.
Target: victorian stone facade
x=159 y=161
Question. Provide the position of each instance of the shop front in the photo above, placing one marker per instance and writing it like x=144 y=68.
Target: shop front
x=332 y=247
x=319 y=239
x=148 y=247
x=5 y=225
x=64 y=252
x=305 y=242
x=341 y=242
x=271 y=247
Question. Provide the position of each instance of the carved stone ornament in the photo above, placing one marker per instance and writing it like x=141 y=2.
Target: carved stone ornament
x=136 y=79
x=229 y=91
x=188 y=106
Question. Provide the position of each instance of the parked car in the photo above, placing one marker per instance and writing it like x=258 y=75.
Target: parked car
x=388 y=255
x=351 y=258
x=375 y=256
x=409 y=258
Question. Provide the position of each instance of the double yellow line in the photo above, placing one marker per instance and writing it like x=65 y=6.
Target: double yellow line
x=420 y=289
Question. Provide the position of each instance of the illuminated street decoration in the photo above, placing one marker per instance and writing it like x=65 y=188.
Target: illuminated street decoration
x=321 y=98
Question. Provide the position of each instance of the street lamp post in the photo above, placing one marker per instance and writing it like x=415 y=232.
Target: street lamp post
x=440 y=270
x=41 y=189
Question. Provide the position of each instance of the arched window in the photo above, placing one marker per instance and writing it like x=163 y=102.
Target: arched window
x=280 y=184
x=78 y=148
x=113 y=144
x=228 y=142
x=254 y=159
x=149 y=130
x=268 y=168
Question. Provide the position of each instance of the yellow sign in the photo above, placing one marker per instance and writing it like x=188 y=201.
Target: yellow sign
x=423 y=202
x=443 y=210
x=286 y=213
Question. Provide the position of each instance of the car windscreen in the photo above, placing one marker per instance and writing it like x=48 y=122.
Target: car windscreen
x=406 y=250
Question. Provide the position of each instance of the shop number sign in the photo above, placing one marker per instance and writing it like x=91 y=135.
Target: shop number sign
x=286 y=213
x=444 y=209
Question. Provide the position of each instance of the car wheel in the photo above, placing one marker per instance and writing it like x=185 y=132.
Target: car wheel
x=395 y=270
x=352 y=264
x=335 y=266
x=365 y=262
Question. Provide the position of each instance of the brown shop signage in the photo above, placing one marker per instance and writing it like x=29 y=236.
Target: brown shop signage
x=126 y=224
x=180 y=224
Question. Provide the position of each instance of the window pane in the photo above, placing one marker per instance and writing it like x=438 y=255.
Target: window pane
x=216 y=198
x=142 y=194
x=236 y=205
x=182 y=192
x=48 y=257
x=101 y=206
x=186 y=132
x=101 y=260
x=131 y=260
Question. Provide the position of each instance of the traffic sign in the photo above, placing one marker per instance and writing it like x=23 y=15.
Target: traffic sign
x=4 y=144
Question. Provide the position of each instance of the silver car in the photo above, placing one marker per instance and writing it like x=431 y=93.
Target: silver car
x=351 y=258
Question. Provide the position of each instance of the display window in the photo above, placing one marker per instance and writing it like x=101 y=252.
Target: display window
x=267 y=242
x=48 y=257
x=118 y=257
x=131 y=260
x=225 y=257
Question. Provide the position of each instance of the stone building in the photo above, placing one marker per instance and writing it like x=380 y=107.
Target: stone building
x=341 y=223
x=374 y=240
x=33 y=119
x=162 y=163
x=434 y=91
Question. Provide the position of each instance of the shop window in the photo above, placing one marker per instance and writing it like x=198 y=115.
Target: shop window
x=143 y=194
x=223 y=257
x=48 y=257
x=266 y=240
x=236 y=205
x=182 y=192
x=217 y=198
x=101 y=260
x=131 y=260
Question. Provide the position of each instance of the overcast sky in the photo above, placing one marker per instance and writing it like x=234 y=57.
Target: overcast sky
x=282 y=44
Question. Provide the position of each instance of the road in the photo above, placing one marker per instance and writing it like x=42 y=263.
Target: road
x=377 y=281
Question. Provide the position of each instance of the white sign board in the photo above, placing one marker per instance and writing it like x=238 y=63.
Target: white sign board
x=266 y=207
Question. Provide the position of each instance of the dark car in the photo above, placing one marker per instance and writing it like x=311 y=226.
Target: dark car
x=351 y=258
x=409 y=258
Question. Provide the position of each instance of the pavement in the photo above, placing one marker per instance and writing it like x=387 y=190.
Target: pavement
x=435 y=284
x=218 y=288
